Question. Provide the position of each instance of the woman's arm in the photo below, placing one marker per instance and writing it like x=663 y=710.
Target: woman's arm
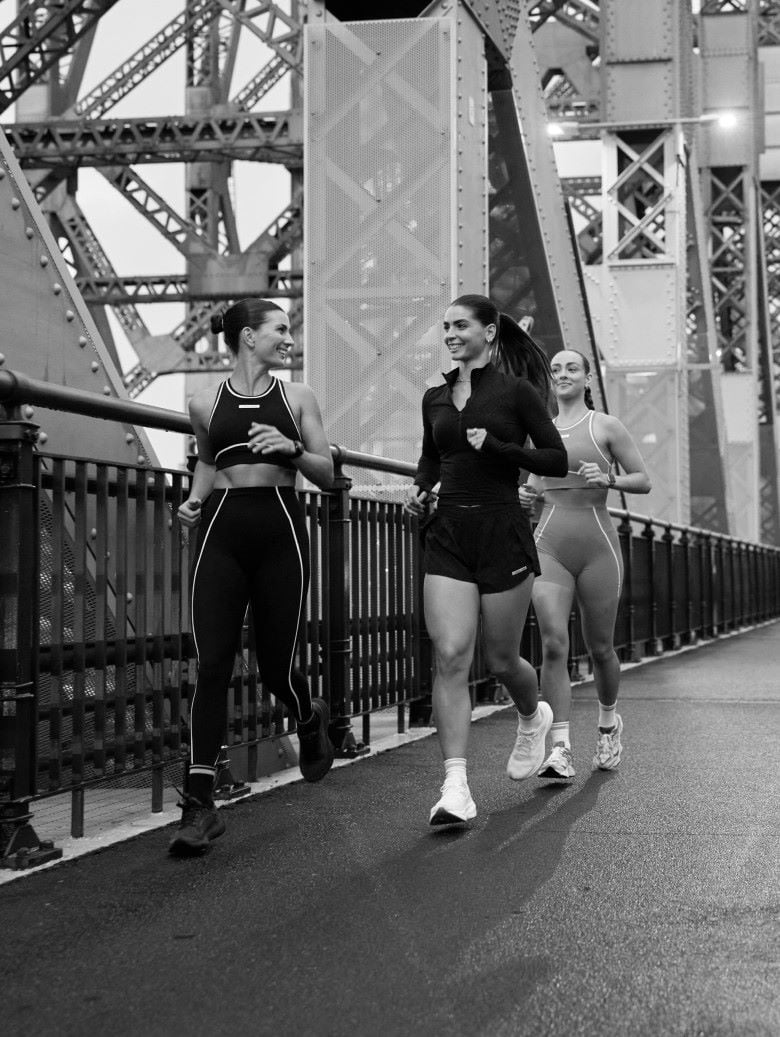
x=428 y=467
x=203 y=477
x=623 y=450
x=548 y=454
x=316 y=461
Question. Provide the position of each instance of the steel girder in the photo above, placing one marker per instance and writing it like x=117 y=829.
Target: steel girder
x=61 y=145
x=580 y=15
x=119 y=292
x=155 y=52
x=42 y=32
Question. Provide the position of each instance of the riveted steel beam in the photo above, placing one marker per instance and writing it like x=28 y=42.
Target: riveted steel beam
x=264 y=137
x=41 y=33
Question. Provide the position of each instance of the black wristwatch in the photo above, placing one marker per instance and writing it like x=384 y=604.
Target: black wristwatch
x=298 y=448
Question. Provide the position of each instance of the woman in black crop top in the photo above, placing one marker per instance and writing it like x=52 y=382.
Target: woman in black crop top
x=254 y=433
x=480 y=558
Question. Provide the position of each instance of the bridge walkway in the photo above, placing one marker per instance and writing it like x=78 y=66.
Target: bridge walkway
x=642 y=902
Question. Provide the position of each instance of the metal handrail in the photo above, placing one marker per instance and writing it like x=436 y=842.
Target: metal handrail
x=17 y=388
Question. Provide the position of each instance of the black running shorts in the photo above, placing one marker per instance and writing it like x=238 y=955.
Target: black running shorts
x=489 y=544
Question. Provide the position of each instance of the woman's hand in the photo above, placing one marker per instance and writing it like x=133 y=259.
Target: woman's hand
x=267 y=439
x=189 y=512
x=416 y=500
x=476 y=437
x=528 y=497
x=593 y=474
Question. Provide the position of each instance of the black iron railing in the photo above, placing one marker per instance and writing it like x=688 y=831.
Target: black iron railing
x=97 y=663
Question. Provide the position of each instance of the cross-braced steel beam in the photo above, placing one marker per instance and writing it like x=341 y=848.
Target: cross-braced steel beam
x=42 y=32
x=263 y=137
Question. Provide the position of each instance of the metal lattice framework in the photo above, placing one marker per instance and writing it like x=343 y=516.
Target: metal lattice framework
x=49 y=43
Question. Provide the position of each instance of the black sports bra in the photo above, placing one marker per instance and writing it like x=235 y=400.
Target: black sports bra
x=231 y=416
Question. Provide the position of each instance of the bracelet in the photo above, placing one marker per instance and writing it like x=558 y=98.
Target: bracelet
x=611 y=478
x=298 y=448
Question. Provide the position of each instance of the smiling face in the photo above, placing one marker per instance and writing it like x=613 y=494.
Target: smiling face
x=465 y=337
x=570 y=379
x=271 y=341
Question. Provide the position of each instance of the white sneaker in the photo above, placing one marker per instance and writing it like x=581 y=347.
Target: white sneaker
x=455 y=805
x=609 y=748
x=558 y=766
x=528 y=754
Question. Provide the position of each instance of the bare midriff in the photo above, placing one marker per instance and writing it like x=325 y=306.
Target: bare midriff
x=243 y=475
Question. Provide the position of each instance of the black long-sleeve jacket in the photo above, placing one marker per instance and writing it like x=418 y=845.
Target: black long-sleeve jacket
x=511 y=410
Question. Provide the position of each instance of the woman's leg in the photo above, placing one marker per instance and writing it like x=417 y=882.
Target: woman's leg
x=451 y=618
x=503 y=619
x=220 y=594
x=598 y=602
x=279 y=586
x=553 y=598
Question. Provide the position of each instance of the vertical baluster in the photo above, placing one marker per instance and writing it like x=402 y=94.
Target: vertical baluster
x=158 y=588
x=140 y=615
x=122 y=590
x=57 y=620
x=79 y=663
x=101 y=615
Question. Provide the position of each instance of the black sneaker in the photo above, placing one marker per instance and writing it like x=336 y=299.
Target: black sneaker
x=315 y=754
x=200 y=823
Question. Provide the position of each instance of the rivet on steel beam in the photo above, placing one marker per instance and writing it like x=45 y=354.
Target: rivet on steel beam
x=141 y=459
x=94 y=366
x=93 y=534
x=129 y=598
x=29 y=232
x=2 y=359
x=56 y=288
x=15 y=203
x=44 y=260
x=42 y=437
x=106 y=390
x=69 y=315
x=82 y=341
x=129 y=438
x=28 y=411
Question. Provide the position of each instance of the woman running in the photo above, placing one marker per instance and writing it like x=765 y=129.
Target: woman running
x=254 y=434
x=480 y=558
x=579 y=553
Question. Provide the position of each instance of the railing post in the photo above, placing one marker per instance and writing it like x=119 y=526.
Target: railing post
x=339 y=647
x=673 y=640
x=20 y=847
x=421 y=709
x=654 y=645
x=625 y=535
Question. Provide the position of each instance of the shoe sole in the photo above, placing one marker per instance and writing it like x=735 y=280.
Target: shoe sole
x=613 y=764
x=185 y=849
x=546 y=724
x=318 y=770
x=551 y=775
x=444 y=817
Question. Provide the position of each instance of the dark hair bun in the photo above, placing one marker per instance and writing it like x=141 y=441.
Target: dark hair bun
x=217 y=323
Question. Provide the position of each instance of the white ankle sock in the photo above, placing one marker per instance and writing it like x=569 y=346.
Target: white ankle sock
x=455 y=769
x=530 y=723
x=560 y=733
x=607 y=715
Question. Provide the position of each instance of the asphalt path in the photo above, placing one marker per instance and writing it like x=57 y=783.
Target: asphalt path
x=641 y=902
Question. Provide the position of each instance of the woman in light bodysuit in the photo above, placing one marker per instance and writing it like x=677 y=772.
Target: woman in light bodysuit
x=579 y=555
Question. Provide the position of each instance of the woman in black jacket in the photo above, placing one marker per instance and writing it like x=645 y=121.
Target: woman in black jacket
x=480 y=558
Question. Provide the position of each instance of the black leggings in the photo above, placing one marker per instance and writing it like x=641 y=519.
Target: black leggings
x=252 y=549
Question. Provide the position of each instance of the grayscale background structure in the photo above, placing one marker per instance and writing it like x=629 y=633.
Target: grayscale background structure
x=565 y=156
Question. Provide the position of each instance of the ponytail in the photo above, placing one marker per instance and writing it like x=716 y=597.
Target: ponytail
x=517 y=353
